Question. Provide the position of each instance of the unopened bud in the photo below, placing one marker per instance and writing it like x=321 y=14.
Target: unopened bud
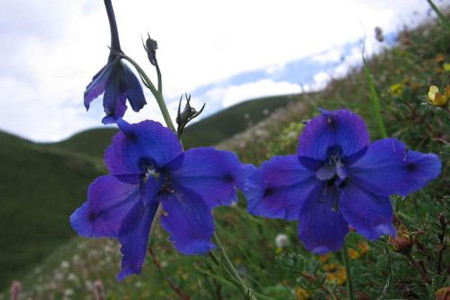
x=188 y=113
x=379 y=34
x=150 y=47
x=403 y=242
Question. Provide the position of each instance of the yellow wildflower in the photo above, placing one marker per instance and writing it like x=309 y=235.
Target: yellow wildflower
x=397 y=89
x=335 y=274
x=446 y=67
x=437 y=99
x=363 y=247
x=353 y=253
x=325 y=257
x=302 y=294
x=440 y=58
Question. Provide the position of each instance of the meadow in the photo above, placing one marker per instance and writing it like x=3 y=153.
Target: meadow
x=42 y=184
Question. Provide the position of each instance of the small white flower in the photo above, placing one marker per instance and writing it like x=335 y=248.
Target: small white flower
x=65 y=264
x=282 y=241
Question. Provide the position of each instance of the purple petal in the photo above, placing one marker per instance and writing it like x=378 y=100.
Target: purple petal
x=321 y=227
x=114 y=100
x=147 y=140
x=212 y=174
x=97 y=86
x=369 y=214
x=133 y=88
x=109 y=201
x=188 y=220
x=279 y=187
x=339 y=129
x=421 y=168
x=387 y=168
x=135 y=229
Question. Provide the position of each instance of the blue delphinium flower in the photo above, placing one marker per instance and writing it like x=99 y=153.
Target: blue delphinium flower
x=117 y=82
x=338 y=179
x=148 y=167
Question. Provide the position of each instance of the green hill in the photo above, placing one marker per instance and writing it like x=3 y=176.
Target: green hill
x=38 y=191
x=217 y=127
x=206 y=132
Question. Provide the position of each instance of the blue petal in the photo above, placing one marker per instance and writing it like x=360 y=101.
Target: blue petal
x=369 y=214
x=321 y=227
x=340 y=129
x=133 y=88
x=188 y=220
x=387 y=168
x=279 y=187
x=114 y=100
x=146 y=140
x=109 y=201
x=97 y=86
x=135 y=229
x=211 y=173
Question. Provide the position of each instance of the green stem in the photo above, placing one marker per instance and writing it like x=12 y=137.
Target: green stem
x=157 y=94
x=439 y=14
x=349 y=281
x=158 y=74
x=248 y=293
x=375 y=100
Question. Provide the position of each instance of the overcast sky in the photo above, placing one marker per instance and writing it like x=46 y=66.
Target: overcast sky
x=222 y=52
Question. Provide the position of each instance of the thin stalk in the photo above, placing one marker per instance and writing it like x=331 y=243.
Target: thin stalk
x=115 y=43
x=439 y=14
x=375 y=100
x=158 y=74
x=158 y=96
x=349 y=281
x=248 y=293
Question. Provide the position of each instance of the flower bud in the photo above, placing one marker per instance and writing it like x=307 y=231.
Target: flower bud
x=150 y=47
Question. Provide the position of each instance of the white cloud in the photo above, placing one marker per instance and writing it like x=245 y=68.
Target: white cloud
x=228 y=96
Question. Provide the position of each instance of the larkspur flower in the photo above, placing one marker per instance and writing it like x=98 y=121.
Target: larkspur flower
x=338 y=179
x=118 y=83
x=147 y=168
x=115 y=80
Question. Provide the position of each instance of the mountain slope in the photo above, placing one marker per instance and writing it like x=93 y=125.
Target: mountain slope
x=38 y=191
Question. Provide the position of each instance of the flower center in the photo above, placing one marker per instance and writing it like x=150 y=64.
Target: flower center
x=333 y=168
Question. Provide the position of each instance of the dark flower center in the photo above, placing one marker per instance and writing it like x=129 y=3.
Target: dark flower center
x=151 y=170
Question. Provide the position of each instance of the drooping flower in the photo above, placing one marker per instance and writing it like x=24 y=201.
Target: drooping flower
x=147 y=168
x=338 y=179
x=118 y=83
x=115 y=80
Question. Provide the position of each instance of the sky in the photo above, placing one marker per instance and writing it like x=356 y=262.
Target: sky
x=220 y=52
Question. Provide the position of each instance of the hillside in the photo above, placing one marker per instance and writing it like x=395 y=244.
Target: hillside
x=38 y=190
x=206 y=132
